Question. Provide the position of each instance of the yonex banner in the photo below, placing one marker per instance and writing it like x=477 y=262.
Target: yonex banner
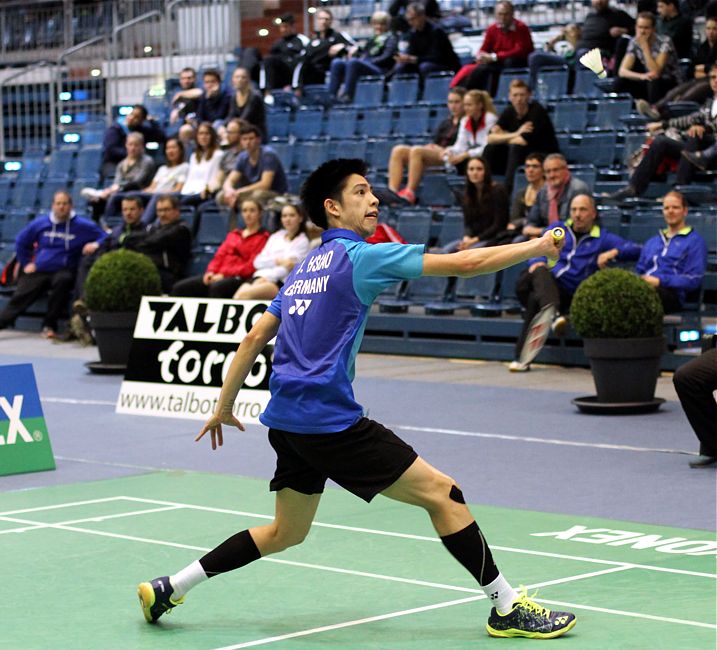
x=24 y=443
x=181 y=353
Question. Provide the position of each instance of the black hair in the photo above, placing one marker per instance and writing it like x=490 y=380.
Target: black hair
x=142 y=109
x=134 y=198
x=475 y=193
x=328 y=182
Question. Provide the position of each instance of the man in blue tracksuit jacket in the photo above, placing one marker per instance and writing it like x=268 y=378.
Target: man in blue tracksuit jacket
x=48 y=252
x=587 y=248
x=674 y=260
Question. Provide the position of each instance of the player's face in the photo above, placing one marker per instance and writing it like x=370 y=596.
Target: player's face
x=251 y=214
x=290 y=219
x=673 y=211
x=358 y=208
x=582 y=213
x=131 y=212
x=455 y=105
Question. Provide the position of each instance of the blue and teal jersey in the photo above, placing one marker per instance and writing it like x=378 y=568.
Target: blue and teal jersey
x=323 y=307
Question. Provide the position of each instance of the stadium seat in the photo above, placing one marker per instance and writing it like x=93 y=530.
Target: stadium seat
x=506 y=76
x=585 y=83
x=434 y=190
x=609 y=110
x=307 y=122
x=341 y=122
x=369 y=92
x=88 y=162
x=277 y=120
x=379 y=151
x=48 y=189
x=5 y=191
x=62 y=162
x=285 y=151
x=377 y=122
x=316 y=95
x=570 y=115
x=12 y=223
x=403 y=90
x=213 y=227
x=414 y=224
x=435 y=90
x=412 y=121
x=586 y=173
x=25 y=194
x=308 y=155
x=353 y=148
x=596 y=148
x=554 y=81
x=452 y=228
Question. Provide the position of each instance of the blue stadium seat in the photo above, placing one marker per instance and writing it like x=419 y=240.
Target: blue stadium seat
x=610 y=110
x=452 y=228
x=377 y=122
x=555 y=80
x=506 y=76
x=436 y=86
x=379 y=151
x=585 y=83
x=284 y=150
x=62 y=161
x=416 y=292
x=597 y=148
x=632 y=141
x=307 y=122
x=48 y=189
x=585 y=172
x=5 y=191
x=437 y=116
x=341 y=122
x=435 y=190
x=308 y=155
x=78 y=201
x=316 y=95
x=277 y=120
x=610 y=218
x=25 y=194
x=412 y=121
x=213 y=227
x=12 y=223
x=414 y=224
x=570 y=115
x=402 y=90
x=88 y=160
x=707 y=227
x=369 y=92
x=353 y=148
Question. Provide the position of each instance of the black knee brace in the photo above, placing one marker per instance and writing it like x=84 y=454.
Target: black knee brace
x=456 y=495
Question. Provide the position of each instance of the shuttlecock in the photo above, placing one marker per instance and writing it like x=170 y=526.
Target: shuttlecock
x=593 y=61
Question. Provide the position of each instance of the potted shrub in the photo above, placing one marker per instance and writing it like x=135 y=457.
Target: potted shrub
x=620 y=317
x=113 y=290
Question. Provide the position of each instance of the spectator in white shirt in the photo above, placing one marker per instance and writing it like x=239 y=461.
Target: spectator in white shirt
x=168 y=179
x=203 y=165
x=285 y=248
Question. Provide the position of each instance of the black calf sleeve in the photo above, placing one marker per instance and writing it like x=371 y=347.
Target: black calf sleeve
x=469 y=547
x=233 y=553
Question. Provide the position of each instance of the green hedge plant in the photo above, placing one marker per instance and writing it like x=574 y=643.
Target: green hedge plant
x=119 y=279
x=614 y=303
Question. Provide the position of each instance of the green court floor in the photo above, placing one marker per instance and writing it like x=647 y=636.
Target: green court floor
x=369 y=576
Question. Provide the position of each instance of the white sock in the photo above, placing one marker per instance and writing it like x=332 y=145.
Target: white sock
x=187 y=578
x=501 y=594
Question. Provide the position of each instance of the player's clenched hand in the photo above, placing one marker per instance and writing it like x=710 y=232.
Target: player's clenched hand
x=549 y=246
x=213 y=426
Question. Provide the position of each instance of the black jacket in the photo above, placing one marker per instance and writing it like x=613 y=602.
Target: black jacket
x=169 y=246
x=432 y=44
x=113 y=149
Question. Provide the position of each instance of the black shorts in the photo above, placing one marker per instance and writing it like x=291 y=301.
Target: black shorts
x=364 y=459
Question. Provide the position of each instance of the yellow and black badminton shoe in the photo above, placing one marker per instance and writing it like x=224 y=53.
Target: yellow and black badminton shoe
x=156 y=598
x=530 y=620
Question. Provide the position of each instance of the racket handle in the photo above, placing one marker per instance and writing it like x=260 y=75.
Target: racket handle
x=558 y=234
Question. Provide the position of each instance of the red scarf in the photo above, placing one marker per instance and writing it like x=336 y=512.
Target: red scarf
x=554 y=196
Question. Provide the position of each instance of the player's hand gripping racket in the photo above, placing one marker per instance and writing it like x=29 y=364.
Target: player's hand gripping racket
x=539 y=327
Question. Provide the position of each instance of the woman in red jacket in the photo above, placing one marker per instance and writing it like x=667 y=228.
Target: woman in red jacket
x=233 y=263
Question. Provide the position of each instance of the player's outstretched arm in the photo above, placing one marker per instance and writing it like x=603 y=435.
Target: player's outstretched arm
x=254 y=342
x=476 y=261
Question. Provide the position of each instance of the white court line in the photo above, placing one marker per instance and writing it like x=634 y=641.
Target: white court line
x=544 y=441
x=582 y=576
x=69 y=504
x=69 y=400
x=90 y=461
x=85 y=520
x=423 y=538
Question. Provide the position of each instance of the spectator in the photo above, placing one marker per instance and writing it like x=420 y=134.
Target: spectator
x=185 y=101
x=559 y=50
x=427 y=49
x=553 y=201
x=695 y=383
x=524 y=200
x=650 y=67
x=229 y=159
x=278 y=67
x=170 y=177
x=133 y=173
x=678 y=28
x=674 y=260
x=485 y=208
x=168 y=242
x=471 y=139
x=603 y=27
x=397 y=11
x=258 y=173
x=284 y=249
x=326 y=46
x=696 y=134
x=233 y=262
x=375 y=57
x=507 y=44
x=48 y=252
x=696 y=89
x=246 y=104
x=540 y=286
x=213 y=105
x=523 y=126
x=203 y=165
x=113 y=143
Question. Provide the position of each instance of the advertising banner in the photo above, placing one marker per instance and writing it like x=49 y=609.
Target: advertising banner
x=24 y=442
x=180 y=355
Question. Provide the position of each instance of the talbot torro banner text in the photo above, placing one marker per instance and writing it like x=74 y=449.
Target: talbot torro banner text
x=181 y=353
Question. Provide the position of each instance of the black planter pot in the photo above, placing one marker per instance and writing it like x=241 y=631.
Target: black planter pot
x=113 y=332
x=625 y=372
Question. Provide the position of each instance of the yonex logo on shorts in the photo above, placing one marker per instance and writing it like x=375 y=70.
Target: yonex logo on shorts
x=299 y=307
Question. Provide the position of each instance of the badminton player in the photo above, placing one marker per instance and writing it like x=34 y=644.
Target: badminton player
x=317 y=429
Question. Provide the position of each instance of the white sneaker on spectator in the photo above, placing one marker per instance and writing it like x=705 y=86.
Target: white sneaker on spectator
x=516 y=366
x=560 y=325
x=90 y=193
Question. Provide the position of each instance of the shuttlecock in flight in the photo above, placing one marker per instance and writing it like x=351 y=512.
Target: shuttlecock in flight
x=593 y=61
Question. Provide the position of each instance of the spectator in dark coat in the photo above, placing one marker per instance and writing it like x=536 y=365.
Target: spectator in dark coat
x=278 y=67
x=375 y=57
x=246 y=104
x=428 y=47
x=113 y=144
x=678 y=28
x=603 y=27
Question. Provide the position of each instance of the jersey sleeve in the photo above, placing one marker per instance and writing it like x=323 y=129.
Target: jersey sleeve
x=378 y=266
x=275 y=307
